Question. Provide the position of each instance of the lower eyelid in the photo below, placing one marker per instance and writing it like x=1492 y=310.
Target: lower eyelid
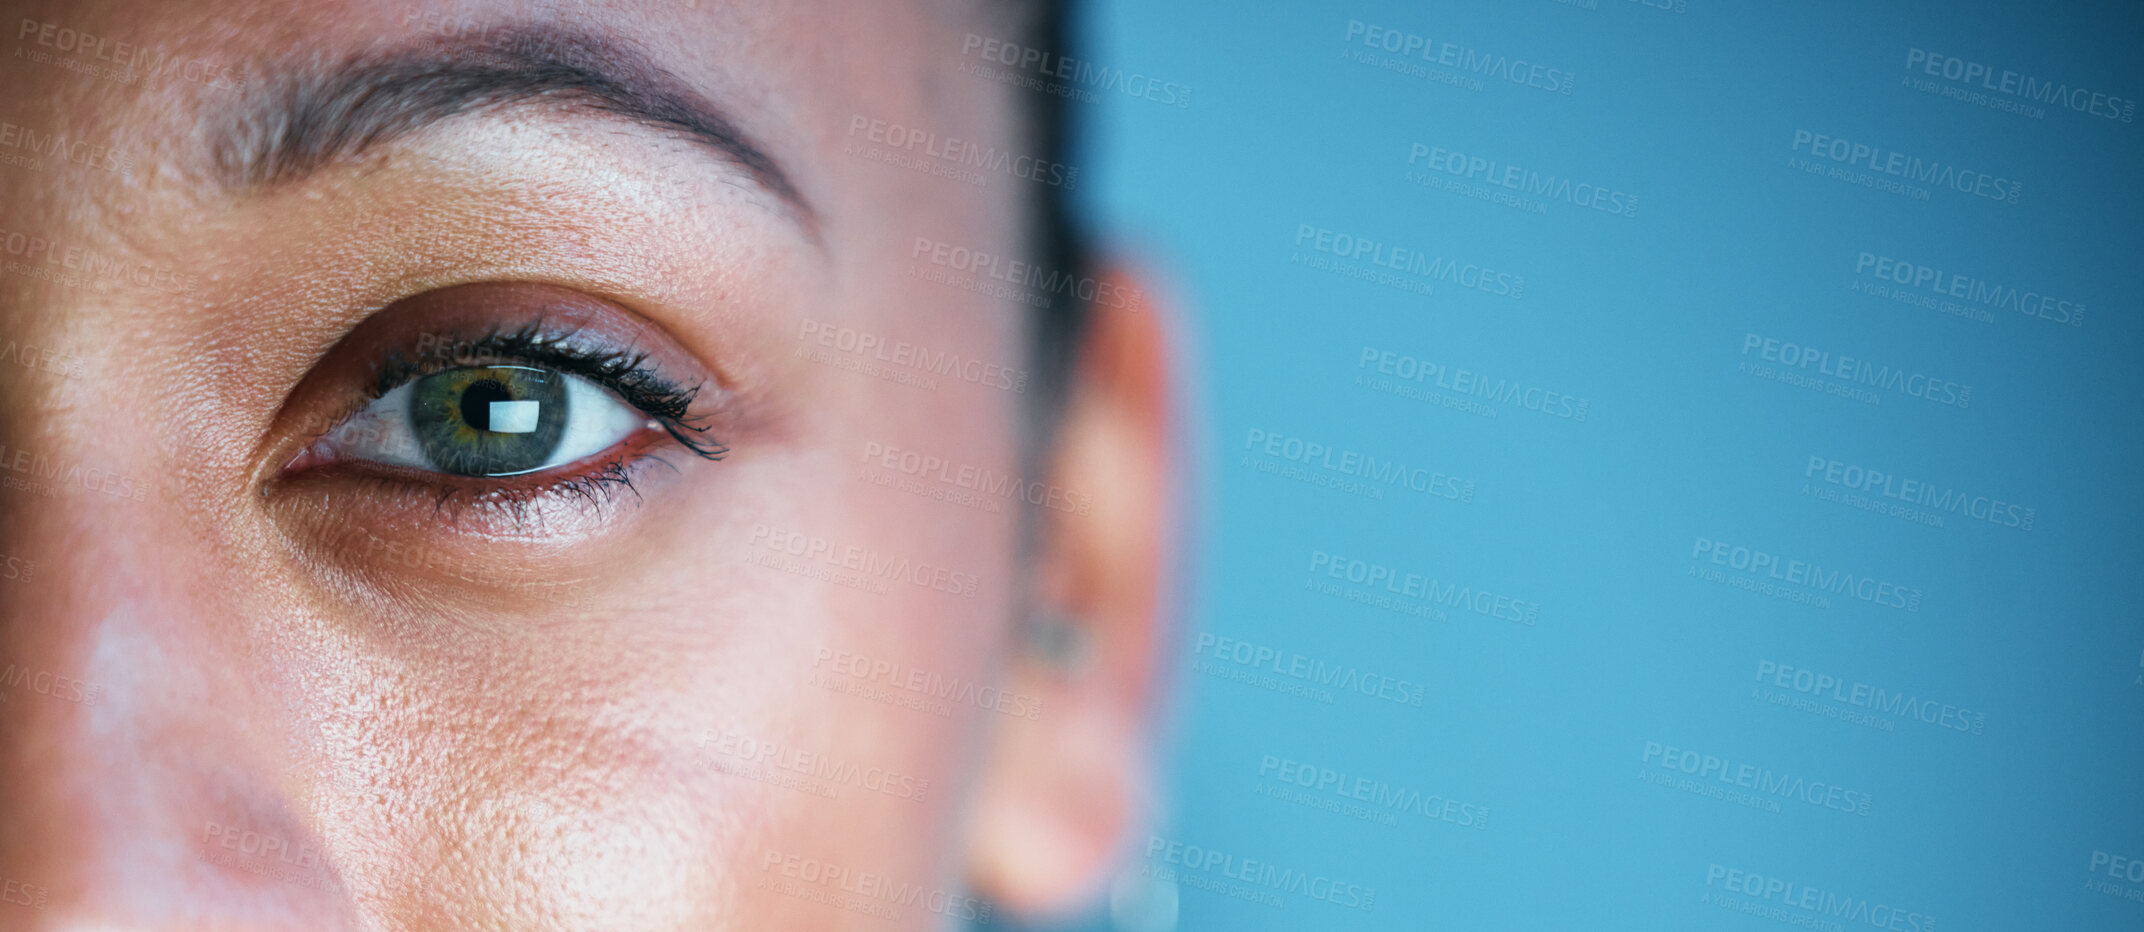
x=572 y=502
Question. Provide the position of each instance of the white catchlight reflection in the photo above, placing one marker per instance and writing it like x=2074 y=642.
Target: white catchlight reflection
x=514 y=417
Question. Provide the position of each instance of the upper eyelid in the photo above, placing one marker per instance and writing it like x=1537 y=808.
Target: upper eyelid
x=529 y=342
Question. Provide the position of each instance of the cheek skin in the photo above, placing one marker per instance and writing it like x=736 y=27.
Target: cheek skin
x=572 y=766
x=451 y=765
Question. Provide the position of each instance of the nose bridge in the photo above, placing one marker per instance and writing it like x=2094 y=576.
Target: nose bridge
x=143 y=781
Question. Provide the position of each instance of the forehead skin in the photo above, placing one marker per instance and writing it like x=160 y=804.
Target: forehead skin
x=502 y=730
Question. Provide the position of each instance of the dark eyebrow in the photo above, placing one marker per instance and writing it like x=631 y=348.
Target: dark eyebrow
x=313 y=116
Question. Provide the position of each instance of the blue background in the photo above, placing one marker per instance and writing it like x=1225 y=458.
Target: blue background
x=1598 y=520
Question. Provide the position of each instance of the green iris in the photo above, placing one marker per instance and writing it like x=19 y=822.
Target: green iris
x=489 y=420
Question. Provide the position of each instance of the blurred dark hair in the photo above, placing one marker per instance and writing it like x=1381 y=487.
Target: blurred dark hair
x=1056 y=331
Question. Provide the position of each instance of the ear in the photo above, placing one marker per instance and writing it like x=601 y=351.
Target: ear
x=1062 y=793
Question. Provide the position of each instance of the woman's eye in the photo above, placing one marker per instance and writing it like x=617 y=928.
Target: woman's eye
x=498 y=420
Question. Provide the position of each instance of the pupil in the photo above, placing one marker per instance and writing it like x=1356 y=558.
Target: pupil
x=477 y=399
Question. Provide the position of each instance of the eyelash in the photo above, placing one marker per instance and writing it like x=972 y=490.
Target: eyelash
x=624 y=373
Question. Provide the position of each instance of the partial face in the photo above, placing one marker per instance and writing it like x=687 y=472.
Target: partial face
x=498 y=465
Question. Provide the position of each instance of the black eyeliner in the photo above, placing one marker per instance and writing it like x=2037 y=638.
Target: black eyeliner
x=626 y=374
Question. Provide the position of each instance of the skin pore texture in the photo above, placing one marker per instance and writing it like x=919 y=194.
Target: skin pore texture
x=264 y=688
